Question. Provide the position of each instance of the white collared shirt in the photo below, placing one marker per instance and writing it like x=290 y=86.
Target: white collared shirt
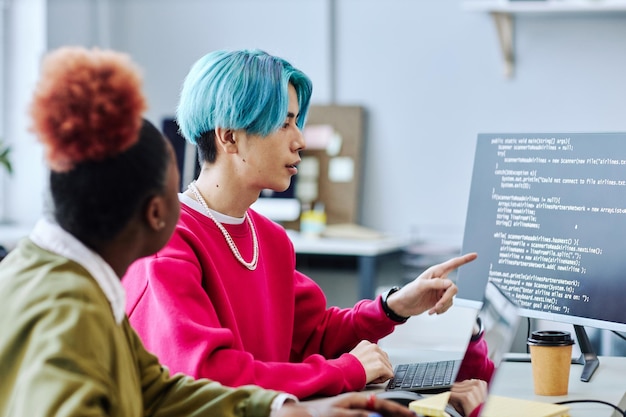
x=50 y=236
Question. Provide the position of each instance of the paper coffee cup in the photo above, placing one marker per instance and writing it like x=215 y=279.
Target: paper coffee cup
x=551 y=359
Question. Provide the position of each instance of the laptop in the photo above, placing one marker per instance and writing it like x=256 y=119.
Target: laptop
x=500 y=318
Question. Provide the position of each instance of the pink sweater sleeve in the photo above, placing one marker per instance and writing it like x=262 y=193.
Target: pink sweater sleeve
x=334 y=330
x=476 y=411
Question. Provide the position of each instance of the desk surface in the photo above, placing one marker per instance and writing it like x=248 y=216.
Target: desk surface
x=514 y=379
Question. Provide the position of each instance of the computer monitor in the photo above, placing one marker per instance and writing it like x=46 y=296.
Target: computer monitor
x=278 y=206
x=186 y=153
x=547 y=217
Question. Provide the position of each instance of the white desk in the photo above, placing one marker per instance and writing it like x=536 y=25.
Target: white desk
x=425 y=338
x=367 y=252
x=608 y=383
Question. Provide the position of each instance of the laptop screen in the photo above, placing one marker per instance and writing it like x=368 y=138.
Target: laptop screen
x=500 y=317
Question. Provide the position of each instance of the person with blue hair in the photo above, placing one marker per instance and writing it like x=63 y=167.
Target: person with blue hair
x=223 y=298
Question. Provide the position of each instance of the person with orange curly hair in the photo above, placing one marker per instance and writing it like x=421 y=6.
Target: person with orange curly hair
x=67 y=348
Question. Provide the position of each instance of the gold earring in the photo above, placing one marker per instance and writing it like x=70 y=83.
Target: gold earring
x=161 y=224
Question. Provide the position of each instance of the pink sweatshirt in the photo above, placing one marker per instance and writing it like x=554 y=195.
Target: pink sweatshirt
x=206 y=315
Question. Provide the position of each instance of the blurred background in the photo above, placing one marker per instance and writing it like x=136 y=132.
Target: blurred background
x=430 y=76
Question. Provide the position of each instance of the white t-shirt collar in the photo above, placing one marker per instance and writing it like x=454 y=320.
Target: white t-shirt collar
x=222 y=218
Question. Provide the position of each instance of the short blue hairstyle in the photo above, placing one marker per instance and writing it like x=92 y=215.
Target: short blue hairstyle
x=243 y=89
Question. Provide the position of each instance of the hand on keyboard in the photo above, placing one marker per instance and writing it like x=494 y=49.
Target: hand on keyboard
x=375 y=361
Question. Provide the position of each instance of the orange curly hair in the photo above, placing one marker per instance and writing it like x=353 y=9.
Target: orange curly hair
x=87 y=106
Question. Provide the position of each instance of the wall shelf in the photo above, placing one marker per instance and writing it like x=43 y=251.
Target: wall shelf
x=503 y=13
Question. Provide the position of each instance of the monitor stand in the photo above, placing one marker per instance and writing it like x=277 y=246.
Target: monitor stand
x=587 y=357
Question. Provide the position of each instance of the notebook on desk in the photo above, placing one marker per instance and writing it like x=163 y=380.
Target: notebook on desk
x=500 y=318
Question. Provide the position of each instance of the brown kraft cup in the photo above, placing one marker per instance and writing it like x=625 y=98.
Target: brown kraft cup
x=551 y=358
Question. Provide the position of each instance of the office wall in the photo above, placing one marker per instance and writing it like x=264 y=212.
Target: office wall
x=24 y=41
x=428 y=73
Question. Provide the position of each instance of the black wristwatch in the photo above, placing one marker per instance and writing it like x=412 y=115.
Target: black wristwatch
x=388 y=311
x=481 y=330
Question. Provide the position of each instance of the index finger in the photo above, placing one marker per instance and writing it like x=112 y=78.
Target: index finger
x=454 y=263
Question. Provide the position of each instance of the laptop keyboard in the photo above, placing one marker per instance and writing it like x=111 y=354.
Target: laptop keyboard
x=424 y=376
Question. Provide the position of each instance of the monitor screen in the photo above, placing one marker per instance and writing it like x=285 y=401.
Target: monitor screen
x=547 y=217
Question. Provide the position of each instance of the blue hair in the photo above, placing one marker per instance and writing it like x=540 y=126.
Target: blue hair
x=244 y=89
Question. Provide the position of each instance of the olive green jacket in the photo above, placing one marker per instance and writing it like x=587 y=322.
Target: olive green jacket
x=62 y=353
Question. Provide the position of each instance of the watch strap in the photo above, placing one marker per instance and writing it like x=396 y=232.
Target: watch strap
x=387 y=310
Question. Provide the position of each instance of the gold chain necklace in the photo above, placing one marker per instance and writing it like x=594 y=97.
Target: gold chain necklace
x=231 y=243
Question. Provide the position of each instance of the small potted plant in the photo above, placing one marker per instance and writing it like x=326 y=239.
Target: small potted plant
x=5 y=164
x=5 y=152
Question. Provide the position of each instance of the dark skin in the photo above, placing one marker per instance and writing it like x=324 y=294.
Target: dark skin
x=345 y=405
x=467 y=395
x=149 y=229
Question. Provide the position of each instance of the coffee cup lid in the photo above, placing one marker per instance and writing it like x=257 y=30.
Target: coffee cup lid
x=550 y=338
